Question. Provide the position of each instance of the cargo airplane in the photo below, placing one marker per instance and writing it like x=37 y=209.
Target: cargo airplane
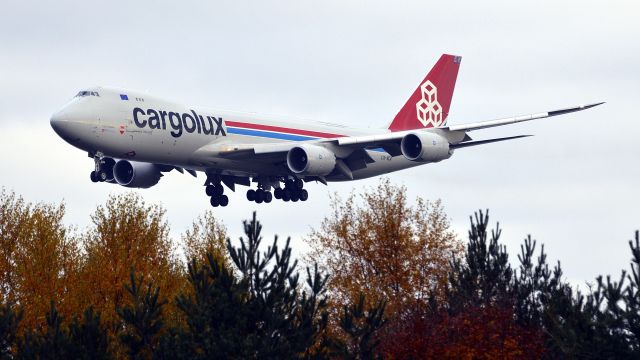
x=134 y=138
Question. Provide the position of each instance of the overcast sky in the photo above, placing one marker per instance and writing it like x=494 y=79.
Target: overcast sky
x=573 y=186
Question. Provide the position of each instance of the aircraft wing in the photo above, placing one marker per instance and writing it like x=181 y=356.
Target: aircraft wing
x=345 y=147
x=517 y=119
x=455 y=134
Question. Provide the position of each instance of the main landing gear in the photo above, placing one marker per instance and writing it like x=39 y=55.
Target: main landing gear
x=292 y=191
x=216 y=192
x=259 y=196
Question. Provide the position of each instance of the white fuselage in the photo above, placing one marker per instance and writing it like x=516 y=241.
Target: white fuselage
x=125 y=124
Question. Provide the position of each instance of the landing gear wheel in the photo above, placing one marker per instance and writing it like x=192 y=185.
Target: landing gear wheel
x=214 y=201
x=304 y=195
x=286 y=195
x=102 y=176
x=224 y=200
x=295 y=196
x=277 y=193
x=251 y=195
x=267 y=197
x=210 y=190
x=94 y=177
x=259 y=196
x=219 y=190
x=299 y=184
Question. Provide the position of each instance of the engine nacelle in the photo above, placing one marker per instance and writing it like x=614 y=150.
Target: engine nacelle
x=311 y=160
x=427 y=147
x=136 y=174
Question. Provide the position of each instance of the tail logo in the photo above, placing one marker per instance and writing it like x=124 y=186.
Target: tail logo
x=428 y=108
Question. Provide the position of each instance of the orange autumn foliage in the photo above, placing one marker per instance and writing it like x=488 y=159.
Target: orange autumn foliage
x=379 y=245
x=39 y=258
x=127 y=234
x=206 y=235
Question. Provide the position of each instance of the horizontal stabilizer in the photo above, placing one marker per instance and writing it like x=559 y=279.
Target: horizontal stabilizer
x=482 y=142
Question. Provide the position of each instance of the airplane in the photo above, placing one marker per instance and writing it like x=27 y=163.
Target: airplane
x=134 y=138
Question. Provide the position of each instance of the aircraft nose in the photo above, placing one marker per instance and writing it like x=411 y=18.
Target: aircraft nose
x=57 y=123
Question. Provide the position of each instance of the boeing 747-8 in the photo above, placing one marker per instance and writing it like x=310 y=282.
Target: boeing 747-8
x=134 y=138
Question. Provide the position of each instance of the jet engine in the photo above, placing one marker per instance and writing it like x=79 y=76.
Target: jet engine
x=426 y=147
x=311 y=160
x=136 y=174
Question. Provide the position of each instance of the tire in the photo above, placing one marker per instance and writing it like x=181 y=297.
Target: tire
x=224 y=200
x=94 y=177
x=102 y=176
x=295 y=196
x=219 y=189
x=286 y=195
x=259 y=196
x=251 y=195
x=299 y=184
x=277 y=193
x=304 y=195
x=214 y=201
x=210 y=190
x=267 y=197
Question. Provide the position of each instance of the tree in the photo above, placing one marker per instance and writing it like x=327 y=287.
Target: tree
x=127 y=234
x=476 y=317
x=40 y=258
x=206 y=236
x=86 y=339
x=258 y=311
x=143 y=319
x=52 y=343
x=9 y=320
x=384 y=248
x=361 y=326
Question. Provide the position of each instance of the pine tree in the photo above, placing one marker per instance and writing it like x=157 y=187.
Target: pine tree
x=257 y=313
x=52 y=343
x=9 y=320
x=631 y=297
x=88 y=337
x=361 y=326
x=142 y=319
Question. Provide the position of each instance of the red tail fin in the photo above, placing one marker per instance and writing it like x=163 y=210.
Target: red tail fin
x=428 y=106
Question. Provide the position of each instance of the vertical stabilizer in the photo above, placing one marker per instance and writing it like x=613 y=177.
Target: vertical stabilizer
x=429 y=104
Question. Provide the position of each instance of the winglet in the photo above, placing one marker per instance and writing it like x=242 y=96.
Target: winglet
x=574 y=109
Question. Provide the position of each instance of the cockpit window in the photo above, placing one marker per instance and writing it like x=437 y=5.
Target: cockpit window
x=87 y=93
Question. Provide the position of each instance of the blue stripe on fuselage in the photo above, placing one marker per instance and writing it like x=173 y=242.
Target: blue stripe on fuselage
x=267 y=134
x=274 y=135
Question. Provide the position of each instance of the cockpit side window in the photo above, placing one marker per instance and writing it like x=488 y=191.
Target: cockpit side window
x=87 y=93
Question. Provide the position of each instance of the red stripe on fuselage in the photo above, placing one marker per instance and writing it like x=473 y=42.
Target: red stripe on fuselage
x=281 y=129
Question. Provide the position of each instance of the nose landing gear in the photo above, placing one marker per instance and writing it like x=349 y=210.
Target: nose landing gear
x=103 y=168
